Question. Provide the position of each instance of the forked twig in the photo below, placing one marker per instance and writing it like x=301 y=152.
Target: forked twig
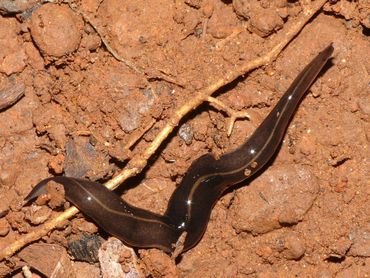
x=233 y=115
x=139 y=161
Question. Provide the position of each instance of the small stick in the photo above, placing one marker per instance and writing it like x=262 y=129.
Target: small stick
x=229 y=38
x=179 y=246
x=110 y=49
x=139 y=161
x=105 y=42
x=136 y=136
x=234 y=115
x=263 y=197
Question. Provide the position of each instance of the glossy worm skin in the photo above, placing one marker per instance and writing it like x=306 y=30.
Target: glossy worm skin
x=207 y=178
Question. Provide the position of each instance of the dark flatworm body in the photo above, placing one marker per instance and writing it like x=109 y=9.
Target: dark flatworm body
x=207 y=178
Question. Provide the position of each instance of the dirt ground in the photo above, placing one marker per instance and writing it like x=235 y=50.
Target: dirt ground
x=69 y=107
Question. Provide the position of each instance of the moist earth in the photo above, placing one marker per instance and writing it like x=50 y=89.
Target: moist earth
x=78 y=81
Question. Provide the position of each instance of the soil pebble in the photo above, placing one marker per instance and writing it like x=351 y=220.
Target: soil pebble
x=112 y=265
x=85 y=226
x=49 y=259
x=81 y=157
x=186 y=133
x=243 y=7
x=9 y=7
x=37 y=215
x=16 y=221
x=56 y=164
x=158 y=263
x=85 y=247
x=56 y=30
x=55 y=194
x=294 y=247
x=128 y=26
x=137 y=103
x=264 y=22
x=361 y=243
x=12 y=55
x=340 y=248
x=354 y=271
x=281 y=196
x=86 y=270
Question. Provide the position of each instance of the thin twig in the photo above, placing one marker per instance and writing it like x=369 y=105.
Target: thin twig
x=105 y=42
x=136 y=136
x=139 y=161
x=233 y=114
x=110 y=49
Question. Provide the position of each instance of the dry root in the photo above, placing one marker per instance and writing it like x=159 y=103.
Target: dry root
x=233 y=115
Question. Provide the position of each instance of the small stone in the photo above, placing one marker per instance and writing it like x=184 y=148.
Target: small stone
x=158 y=263
x=84 y=247
x=86 y=270
x=289 y=217
x=366 y=21
x=119 y=152
x=340 y=247
x=82 y=225
x=363 y=104
x=186 y=133
x=243 y=7
x=56 y=163
x=294 y=248
x=16 y=221
x=11 y=7
x=283 y=12
x=50 y=259
x=361 y=243
x=265 y=252
x=7 y=177
x=91 y=42
x=109 y=258
x=307 y=145
x=37 y=215
x=132 y=108
x=265 y=21
x=12 y=54
x=57 y=133
x=13 y=63
x=247 y=172
x=56 y=29
x=83 y=160
x=55 y=193
x=289 y=192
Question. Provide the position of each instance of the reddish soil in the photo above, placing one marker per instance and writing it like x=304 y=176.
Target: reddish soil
x=307 y=215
